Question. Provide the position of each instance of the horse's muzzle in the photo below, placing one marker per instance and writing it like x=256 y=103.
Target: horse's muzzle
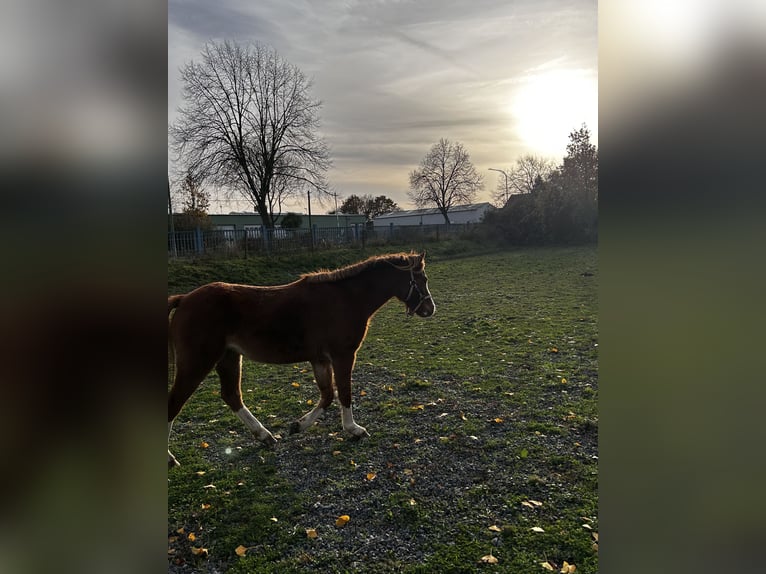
x=425 y=308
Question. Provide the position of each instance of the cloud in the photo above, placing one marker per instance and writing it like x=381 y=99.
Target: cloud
x=394 y=76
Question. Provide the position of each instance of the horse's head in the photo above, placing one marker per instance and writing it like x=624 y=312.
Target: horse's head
x=418 y=298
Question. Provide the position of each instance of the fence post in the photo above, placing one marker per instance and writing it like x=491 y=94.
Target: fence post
x=391 y=231
x=199 y=243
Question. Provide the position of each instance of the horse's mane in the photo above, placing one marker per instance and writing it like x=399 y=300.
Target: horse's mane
x=400 y=260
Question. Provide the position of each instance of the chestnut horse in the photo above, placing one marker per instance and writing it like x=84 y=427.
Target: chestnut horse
x=321 y=318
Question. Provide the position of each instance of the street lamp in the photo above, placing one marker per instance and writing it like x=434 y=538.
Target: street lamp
x=506 y=182
x=311 y=229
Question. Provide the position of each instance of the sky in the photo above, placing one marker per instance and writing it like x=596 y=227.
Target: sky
x=503 y=77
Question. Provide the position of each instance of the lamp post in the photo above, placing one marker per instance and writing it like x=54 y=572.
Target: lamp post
x=311 y=229
x=506 y=182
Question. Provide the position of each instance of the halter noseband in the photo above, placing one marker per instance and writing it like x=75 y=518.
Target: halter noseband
x=414 y=287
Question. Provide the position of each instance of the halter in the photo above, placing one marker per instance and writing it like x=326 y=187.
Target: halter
x=414 y=287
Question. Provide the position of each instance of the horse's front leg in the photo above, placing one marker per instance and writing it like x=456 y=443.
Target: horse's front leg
x=323 y=376
x=342 y=369
x=229 y=370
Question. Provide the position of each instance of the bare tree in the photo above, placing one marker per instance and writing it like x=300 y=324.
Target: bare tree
x=523 y=177
x=446 y=177
x=249 y=124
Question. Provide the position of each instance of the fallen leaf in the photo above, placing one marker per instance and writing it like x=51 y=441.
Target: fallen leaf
x=563 y=381
x=203 y=444
x=537 y=529
x=192 y=537
x=524 y=452
x=412 y=502
x=547 y=566
x=296 y=385
x=172 y=539
x=407 y=471
x=342 y=520
x=309 y=402
x=274 y=519
x=567 y=568
x=371 y=476
x=489 y=559
x=205 y=506
x=498 y=420
x=536 y=503
x=209 y=486
x=240 y=550
x=495 y=528
x=199 y=552
x=462 y=416
x=587 y=527
x=180 y=530
x=417 y=408
x=200 y=473
x=335 y=452
x=311 y=533
x=363 y=393
x=527 y=504
x=595 y=536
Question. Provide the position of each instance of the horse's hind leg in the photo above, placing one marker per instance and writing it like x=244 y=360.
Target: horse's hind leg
x=229 y=369
x=189 y=375
x=323 y=376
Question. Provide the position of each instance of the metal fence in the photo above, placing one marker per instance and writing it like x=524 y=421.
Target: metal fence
x=265 y=241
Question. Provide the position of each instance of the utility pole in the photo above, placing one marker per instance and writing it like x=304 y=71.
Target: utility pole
x=507 y=195
x=311 y=227
x=337 y=221
x=172 y=224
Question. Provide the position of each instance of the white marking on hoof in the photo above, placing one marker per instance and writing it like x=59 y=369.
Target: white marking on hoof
x=347 y=418
x=260 y=431
x=171 y=459
x=307 y=420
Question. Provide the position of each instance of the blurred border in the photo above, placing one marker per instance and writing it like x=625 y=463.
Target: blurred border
x=682 y=86
x=83 y=160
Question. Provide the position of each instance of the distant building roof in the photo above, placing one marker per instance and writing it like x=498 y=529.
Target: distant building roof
x=435 y=210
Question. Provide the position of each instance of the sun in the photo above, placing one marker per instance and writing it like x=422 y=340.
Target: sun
x=547 y=106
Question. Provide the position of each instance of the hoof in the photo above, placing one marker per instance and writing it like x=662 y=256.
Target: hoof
x=358 y=434
x=269 y=442
x=295 y=428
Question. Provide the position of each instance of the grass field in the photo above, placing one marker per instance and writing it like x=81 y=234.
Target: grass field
x=483 y=422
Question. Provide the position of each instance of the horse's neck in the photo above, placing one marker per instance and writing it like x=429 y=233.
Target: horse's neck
x=376 y=287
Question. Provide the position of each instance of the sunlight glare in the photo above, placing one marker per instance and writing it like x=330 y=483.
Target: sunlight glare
x=549 y=105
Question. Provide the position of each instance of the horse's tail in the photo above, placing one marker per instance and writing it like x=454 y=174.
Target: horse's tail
x=173 y=302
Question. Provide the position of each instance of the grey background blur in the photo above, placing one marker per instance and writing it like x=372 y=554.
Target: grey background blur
x=82 y=227
x=681 y=305
x=83 y=158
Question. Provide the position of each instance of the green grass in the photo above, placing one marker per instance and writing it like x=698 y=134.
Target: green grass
x=490 y=403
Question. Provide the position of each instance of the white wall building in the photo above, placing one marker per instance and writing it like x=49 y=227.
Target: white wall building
x=471 y=213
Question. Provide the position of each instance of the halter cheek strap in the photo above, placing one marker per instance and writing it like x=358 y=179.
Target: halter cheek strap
x=414 y=287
